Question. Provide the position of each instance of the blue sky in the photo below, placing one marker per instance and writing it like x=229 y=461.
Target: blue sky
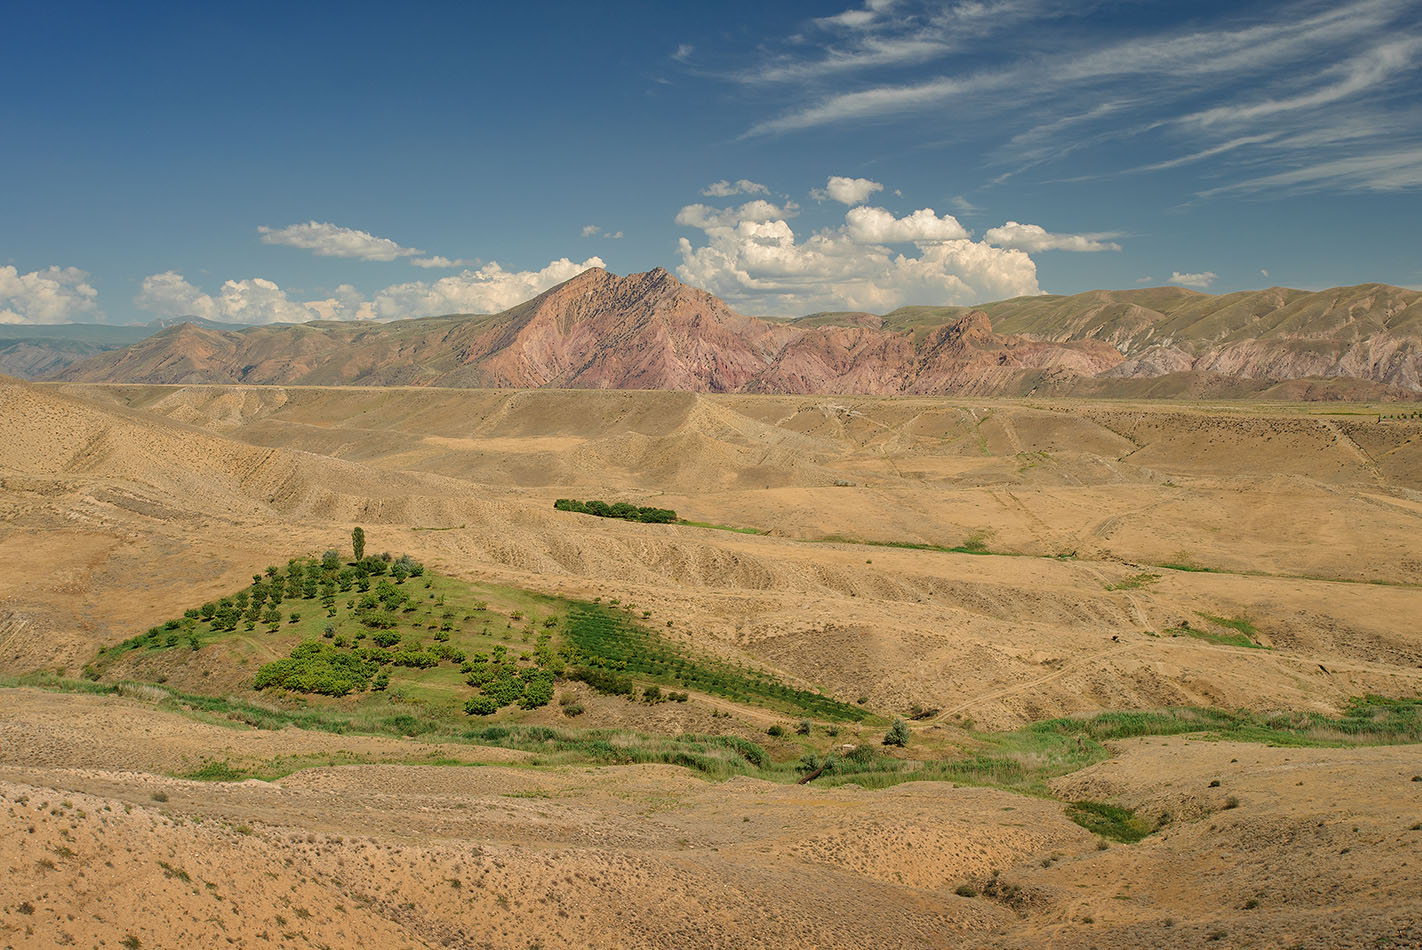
x=281 y=162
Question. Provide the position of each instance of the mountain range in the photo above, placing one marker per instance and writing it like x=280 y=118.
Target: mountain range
x=37 y=350
x=650 y=331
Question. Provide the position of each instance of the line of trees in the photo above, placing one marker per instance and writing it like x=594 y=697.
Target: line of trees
x=620 y=509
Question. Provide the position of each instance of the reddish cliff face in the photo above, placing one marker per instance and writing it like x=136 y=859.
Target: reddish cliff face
x=650 y=331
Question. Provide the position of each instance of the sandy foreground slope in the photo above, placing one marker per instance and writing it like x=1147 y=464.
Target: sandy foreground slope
x=490 y=855
x=122 y=505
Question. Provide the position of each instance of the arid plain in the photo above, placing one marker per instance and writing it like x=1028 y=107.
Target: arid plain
x=1072 y=557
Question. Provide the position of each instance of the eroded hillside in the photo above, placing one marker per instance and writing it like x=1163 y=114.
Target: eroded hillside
x=650 y=331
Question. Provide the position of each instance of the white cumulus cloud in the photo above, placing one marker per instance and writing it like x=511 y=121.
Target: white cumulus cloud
x=170 y=295
x=52 y=295
x=590 y=230
x=258 y=300
x=704 y=216
x=849 y=191
x=1201 y=280
x=1033 y=238
x=328 y=240
x=741 y=186
x=345 y=303
x=757 y=262
x=253 y=300
x=486 y=290
x=869 y=225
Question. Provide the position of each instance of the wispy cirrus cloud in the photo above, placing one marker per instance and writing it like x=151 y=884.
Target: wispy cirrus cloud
x=1249 y=98
x=1384 y=171
x=884 y=35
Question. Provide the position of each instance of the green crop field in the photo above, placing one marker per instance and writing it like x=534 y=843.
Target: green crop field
x=609 y=643
x=385 y=629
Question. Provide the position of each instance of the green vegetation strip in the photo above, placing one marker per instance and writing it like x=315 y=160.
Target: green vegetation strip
x=974 y=544
x=620 y=509
x=720 y=527
x=1024 y=760
x=610 y=649
x=1109 y=821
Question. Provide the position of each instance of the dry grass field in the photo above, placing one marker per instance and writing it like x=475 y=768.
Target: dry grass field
x=989 y=564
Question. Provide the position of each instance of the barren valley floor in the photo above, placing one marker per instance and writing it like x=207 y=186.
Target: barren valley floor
x=985 y=565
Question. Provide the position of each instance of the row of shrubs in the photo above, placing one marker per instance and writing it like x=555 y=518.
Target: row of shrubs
x=620 y=509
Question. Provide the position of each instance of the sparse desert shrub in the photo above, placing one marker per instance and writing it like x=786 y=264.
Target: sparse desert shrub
x=213 y=771
x=966 y=890
x=898 y=734
x=776 y=731
x=803 y=728
x=573 y=709
x=1108 y=821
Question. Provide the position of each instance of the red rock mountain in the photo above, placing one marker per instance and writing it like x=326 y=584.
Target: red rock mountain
x=650 y=331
